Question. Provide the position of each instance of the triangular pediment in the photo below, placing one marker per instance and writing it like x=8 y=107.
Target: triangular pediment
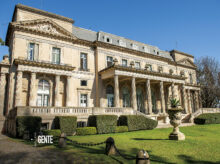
x=186 y=62
x=45 y=26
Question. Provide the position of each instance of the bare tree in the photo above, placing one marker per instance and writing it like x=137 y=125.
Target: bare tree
x=2 y=42
x=208 y=75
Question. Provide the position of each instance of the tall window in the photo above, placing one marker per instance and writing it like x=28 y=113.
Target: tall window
x=109 y=61
x=190 y=78
x=43 y=93
x=124 y=62
x=83 y=61
x=83 y=100
x=56 y=55
x=137 y=65
x=110 y=95
x=126 y=97
x=32 y=51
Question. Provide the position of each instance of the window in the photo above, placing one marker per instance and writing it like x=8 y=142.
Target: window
x=107 y=39
x=56 y=55
x=43 y=93
x=126 y=97
x=83 y=100
x=83 y=83
x=122 y=43
x=137 y=65
x=32 y=51
x=190 y=78
x=109 y=61
x=110 y=95
x=124 y=62
x=83 y=61
x=134 y=46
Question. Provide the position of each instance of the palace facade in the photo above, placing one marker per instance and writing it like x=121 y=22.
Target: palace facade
x=55 y=68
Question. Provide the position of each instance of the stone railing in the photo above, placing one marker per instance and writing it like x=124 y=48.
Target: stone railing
x=68 y=111
x=205 y=110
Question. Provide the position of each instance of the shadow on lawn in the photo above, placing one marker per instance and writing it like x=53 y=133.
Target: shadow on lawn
x=189 y=159
x=147 y=139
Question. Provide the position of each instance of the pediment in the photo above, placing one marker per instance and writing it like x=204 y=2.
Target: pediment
x=45 y=26
x=186 y=62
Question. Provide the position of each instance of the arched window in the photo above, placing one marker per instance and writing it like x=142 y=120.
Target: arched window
x=110 y=95
x=43 y=93
x=126 y=97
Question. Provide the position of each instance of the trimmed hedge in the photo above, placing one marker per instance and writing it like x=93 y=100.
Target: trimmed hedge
x=86 y=131
x=120 y=129
x=27 y=123
x=103 y=123
x=137 y=122
x=53 y=132
x=66 y=124
x=208 y=118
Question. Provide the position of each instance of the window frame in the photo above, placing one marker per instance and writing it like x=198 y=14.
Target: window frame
x=35 y=51
x=83 y=61
x=126 y=62
x=55 y=58
x=135 y=65
x=112 y=62
x=83 y=81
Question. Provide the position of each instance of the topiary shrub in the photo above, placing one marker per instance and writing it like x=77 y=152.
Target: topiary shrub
x=120 y=129
x=30 y=124
x=66 y=124
x=208 y=118
x=86 y=131
x=103 y=123
x=53 y=132
x=137 y=122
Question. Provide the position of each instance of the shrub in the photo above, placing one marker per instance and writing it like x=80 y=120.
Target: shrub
x=53 y=132
x=137 y=122
x=85 y=131
x=103 y=123
x=28 y=123
x=66 y=124
x=120 y=129
x=208 y=118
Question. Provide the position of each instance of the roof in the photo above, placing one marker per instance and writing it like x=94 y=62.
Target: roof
x=101 y=36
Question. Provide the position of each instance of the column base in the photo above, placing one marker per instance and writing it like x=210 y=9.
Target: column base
x=177 y=136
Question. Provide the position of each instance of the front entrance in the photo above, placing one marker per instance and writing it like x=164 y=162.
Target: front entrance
x=153 y=98
x=110 y=95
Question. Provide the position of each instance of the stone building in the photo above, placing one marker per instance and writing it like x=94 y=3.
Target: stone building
x=55 y=68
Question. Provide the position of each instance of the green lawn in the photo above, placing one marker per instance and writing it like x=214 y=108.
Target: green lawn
x=202 y=145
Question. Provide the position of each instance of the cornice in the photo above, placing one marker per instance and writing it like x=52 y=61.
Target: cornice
x=43 y=64
x=129 y=69
x=42 y=12
x=192 y=85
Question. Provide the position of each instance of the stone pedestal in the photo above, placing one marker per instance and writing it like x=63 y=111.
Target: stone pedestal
x=175 y=121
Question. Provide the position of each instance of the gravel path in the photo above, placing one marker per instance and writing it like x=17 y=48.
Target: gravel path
x=12 y=152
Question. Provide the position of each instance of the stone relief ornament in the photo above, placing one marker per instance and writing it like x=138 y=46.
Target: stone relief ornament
x=45 y=28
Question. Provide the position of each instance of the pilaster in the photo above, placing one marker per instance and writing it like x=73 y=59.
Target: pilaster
x=116 y=91
x=18 y=91
x=32 y=98
x=57 y=91
x=134 y=99
x=2 y=92
x=163 y=107
x=149 y=96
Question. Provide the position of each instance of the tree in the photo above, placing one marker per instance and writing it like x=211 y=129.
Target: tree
x=2 y=42
x=208 y=76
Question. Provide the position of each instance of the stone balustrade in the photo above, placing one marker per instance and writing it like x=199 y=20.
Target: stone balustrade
x=70 y=111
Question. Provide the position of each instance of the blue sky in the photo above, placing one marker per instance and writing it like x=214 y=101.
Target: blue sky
x=191 y=26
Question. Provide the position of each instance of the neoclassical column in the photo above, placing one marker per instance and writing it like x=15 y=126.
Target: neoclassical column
x=173 y=90
x=149 y=101
x=2 y=92
x=116 y=91
x=184 y=96
x=57 y=91
x=163 y=107
x=189 y=101
x=32 y=98
x=134 y=99
x=68 y=91
x=197 y=100
x=18 y=91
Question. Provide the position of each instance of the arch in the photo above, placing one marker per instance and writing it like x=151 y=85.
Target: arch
x=43 y=93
